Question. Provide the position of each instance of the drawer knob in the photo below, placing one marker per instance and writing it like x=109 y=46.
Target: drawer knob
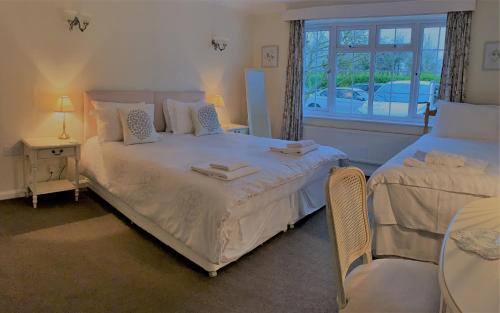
x=57 y=152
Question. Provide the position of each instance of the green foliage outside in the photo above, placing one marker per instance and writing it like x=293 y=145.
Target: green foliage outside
x=314 y=81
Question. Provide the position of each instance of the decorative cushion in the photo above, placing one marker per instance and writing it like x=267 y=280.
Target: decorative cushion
x=467 y=121
x=205 y=120
x=138 y=125
x=109 y=127
x=179 y=116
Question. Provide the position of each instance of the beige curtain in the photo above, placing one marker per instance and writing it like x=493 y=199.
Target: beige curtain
x=292 y=115
x=456 y=57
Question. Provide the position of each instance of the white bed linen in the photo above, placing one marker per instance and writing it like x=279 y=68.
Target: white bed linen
x=155 y=179
x=426 y=198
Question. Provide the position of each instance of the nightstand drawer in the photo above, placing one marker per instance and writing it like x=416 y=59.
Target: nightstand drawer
x=56 y=152
x=240 y=131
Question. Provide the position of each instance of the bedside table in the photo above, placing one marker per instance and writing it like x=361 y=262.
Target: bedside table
x=36 y=149
x=235 y=128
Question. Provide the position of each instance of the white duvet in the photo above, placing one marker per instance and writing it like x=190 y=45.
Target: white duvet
x=155 y=179
x=426 y=198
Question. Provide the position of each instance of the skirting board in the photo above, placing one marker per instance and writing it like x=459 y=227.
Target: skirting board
x=11 y=194
x=19 y=193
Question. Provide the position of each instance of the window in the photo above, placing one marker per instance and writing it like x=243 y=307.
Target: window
x=373 y=69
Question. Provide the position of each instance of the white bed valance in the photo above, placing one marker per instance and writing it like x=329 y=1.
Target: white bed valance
x=401 y=8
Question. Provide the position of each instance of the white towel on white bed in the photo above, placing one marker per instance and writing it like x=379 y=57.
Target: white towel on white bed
x=207 y=170
x=301 y=144
x=471 y=166
x=228 y=166
x=295 y=151
x=445 y=159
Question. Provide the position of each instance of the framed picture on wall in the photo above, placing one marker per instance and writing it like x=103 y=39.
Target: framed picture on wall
x=270 y=56
x=491 y=56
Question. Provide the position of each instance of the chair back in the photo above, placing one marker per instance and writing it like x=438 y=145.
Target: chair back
x=348 y=221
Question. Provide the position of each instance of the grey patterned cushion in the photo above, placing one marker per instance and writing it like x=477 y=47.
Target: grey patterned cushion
x=138 y=126
x=205 y=120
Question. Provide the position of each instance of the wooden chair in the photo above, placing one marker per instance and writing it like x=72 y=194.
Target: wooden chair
x=383 y=285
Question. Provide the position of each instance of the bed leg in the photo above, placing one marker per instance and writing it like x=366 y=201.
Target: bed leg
x=291 y=226
x=212 y=274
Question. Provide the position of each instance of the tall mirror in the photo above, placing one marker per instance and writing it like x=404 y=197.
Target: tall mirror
x=258 y=115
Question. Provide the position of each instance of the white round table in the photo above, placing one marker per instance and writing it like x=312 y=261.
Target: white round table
x=468 y=282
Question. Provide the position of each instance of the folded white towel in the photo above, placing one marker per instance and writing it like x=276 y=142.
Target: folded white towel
x=445 y=159
x=228 y=166
x=295 y=151
x=301 y=144
x=206 y=169
x=472 y=166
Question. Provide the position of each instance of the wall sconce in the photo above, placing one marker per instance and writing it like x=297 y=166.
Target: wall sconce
x=75 y=19
x=219 y=43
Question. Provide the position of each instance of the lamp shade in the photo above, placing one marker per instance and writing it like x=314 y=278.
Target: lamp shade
x=64 y=104
x=216 y=100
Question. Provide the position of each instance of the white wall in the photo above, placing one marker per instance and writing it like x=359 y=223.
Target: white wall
x=155 y=46
x=376 y=143
x=270 y=29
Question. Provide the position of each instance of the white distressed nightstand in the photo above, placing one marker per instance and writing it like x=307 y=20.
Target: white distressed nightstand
x=235 y=128
x=36 y=149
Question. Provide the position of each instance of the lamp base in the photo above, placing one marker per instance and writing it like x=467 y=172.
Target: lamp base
x=63 y=136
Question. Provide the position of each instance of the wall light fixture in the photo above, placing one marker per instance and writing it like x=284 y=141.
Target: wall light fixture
x=75 y=19
x=220 y=43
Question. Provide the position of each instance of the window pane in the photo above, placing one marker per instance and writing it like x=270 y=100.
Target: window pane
x=316 y=65
x=353 y=74
x=431 y=38
x=354 y=37
x=431 y=62
x=442 y=37
x=393 y=72
x=398 y=36
x=403 y=36
x=387 y=36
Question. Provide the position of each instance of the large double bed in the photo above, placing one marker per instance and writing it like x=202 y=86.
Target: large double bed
x=211 y=222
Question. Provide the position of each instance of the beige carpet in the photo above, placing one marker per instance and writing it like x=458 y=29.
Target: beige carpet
x=103 y=264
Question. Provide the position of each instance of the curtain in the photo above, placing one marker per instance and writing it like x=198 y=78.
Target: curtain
x=292 y=115
x=456 y=57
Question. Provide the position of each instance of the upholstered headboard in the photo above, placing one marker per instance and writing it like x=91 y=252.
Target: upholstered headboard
x=156 y=97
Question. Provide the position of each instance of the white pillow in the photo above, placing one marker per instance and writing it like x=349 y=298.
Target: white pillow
x=179 y=114
x=138 y=125
x=205 y=120
x=467 y=121
x=109 y=127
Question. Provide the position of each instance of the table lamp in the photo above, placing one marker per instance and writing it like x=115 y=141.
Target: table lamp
x=64 y=105
x=216 y=100
x=220 y=108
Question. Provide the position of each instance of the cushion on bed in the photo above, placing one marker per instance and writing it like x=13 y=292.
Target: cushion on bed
x=178 y=116
x=205 y=120
x=138 y=125
x=109 y=127
x=467 y=121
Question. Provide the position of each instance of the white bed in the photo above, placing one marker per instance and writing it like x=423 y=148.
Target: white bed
x=211 y=222
x=412 y=207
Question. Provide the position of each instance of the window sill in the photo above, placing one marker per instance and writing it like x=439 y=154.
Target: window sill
x=410 y=127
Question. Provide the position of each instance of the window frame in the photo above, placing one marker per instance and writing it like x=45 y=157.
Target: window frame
x=417 y=26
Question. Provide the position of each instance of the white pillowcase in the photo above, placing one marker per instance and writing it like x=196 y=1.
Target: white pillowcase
x=138 y=125
x=109 y=127
x=205 y=120
x=178 y=116
x=467 y=121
